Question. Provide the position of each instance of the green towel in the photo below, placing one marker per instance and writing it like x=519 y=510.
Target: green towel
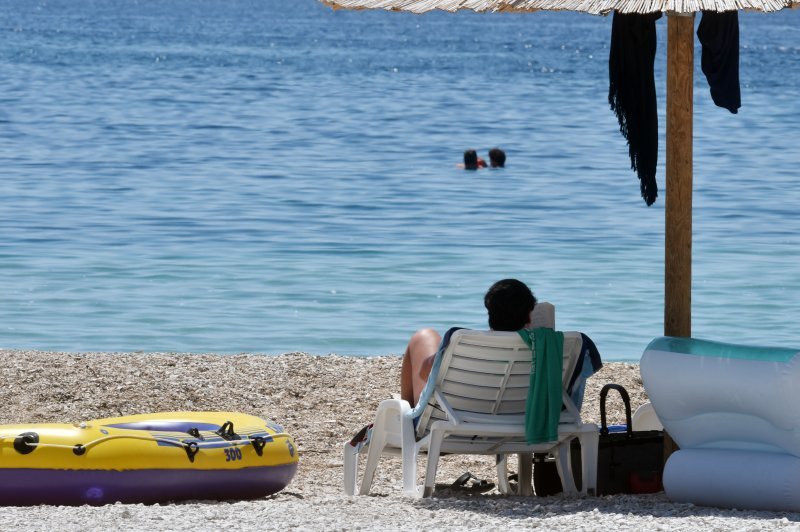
x=543 y=408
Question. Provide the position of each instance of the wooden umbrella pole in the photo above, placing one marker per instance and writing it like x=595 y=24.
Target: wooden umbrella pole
x=678 y=232
x=678 y=222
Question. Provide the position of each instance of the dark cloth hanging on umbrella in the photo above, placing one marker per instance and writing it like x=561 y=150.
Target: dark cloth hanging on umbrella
x=719 y=36
x=632 y=93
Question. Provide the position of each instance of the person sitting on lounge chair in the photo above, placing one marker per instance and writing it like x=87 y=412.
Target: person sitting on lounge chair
x=509 y=303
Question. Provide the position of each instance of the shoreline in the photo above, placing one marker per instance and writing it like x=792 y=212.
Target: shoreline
x=321 y=401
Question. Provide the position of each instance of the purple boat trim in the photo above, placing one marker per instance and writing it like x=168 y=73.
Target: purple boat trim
x=25 y=487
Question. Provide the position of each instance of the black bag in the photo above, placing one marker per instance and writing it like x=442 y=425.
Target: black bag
x=545 y=474
x=627 y=462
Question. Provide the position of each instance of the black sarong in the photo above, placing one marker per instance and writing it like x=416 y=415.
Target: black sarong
x=719 y=36
x=632 y=93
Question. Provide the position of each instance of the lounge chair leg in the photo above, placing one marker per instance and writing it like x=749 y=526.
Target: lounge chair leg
x=589 y=443
x=410 y=450
x=564 y=466
x=434 y=448
x=503 y=486
x=350 y=468
x=410 y=473
x=525 y=477
x=373 y=456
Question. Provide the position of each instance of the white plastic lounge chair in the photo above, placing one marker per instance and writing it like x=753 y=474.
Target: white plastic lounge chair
x=477 y=407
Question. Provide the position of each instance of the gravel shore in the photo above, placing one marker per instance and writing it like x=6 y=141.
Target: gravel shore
x=321 y=401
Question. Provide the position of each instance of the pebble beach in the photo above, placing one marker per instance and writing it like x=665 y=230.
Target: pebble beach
x=321 y=401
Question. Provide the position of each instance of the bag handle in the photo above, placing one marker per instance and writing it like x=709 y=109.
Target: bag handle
x=625 y=399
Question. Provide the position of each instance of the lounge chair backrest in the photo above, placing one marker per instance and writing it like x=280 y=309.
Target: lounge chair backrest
x=484 y=376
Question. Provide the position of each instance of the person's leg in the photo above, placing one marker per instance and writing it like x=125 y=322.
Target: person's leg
x=417 y=364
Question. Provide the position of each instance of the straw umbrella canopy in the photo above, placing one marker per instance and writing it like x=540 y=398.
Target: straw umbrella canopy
x=680 y=81
x=594 y=7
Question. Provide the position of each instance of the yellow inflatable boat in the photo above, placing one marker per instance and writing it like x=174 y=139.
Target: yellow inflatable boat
x=145 y=458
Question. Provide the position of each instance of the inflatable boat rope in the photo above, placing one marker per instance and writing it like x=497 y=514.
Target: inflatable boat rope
x=27 y=442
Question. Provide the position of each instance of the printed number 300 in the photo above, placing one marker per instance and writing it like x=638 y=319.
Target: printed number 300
x=233 y=454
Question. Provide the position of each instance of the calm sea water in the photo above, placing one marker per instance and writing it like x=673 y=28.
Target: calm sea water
x=271 y=176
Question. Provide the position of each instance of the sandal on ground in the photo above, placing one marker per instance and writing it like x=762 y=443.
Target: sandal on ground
x=513 y=482
x=469 y=483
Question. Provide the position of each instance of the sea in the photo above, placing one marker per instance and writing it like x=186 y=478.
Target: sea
x=271 y=176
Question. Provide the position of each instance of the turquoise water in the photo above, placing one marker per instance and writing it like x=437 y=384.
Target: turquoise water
x=268 y=176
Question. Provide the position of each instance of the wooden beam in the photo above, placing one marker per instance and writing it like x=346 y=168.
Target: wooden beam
x=678 y=217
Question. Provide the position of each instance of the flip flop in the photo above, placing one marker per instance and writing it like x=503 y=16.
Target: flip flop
x=513 y=482
x=469 y=483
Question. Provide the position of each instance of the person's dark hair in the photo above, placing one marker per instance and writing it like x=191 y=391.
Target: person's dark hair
x=509 y=303
x=497 y=157
x=470 y=160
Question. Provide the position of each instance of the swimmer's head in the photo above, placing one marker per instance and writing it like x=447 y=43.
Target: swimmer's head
x=470 y=160
x=497 y=158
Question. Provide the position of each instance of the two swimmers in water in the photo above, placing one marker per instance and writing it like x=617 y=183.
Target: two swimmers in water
x=497 y=159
